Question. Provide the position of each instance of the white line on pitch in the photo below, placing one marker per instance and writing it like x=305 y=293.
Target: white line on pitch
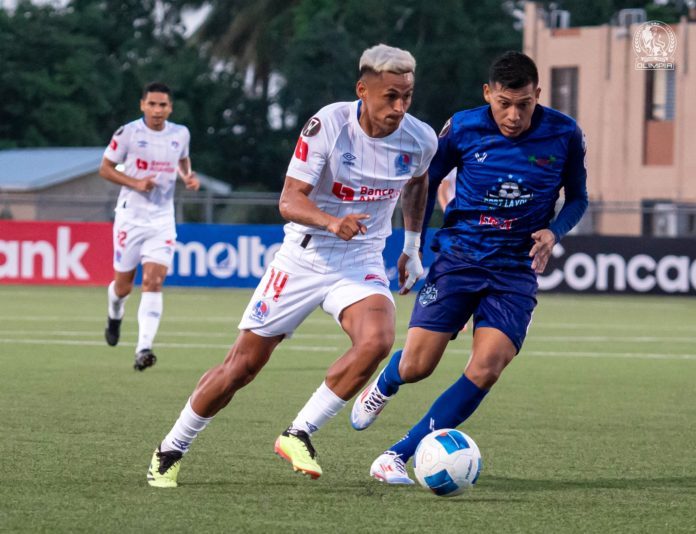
x=310 y=348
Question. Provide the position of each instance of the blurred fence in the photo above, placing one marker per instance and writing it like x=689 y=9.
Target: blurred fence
x=653 y=218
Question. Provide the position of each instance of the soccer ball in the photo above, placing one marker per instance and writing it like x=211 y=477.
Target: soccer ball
x=447 y=462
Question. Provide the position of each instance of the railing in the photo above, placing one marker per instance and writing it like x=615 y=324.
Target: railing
x=661 y=218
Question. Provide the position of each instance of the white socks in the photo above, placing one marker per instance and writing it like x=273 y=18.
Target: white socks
x=184 y=430
x=321 y=407
x=149 y=315
x=116 y=305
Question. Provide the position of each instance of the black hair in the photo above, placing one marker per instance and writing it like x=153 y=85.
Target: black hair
x=513 y=70
x=157 y=87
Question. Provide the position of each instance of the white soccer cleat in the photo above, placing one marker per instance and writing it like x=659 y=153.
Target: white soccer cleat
x=390 y=468
x=367 y=407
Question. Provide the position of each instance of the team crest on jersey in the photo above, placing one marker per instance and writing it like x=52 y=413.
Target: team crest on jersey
x=446 y=128
x=260 y=311
x=427 y=295
x=402 y=164
x=175 y=145
x=312 y=127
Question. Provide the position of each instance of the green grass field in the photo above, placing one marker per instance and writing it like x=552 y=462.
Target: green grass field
x=591 y=429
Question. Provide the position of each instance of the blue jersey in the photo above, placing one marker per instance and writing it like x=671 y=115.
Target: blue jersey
x=507 y=188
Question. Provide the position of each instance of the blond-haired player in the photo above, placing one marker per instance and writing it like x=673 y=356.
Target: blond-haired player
x=352 y=162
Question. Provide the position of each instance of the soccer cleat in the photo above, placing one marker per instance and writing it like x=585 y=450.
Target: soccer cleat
x=390 y=468
x=112 y=332
x=295 y=447
x=164 y=468
x=367 y=407
x=144 y=359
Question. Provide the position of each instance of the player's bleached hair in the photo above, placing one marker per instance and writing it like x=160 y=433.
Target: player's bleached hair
x=383 y=58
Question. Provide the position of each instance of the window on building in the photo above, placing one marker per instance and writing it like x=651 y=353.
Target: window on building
x=660 y=92
x=564 y=90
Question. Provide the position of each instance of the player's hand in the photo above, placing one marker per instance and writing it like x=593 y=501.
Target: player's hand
x=544 y=240
x=146 y=184
x=349 y=226
x=410 y=269
x=191 y=181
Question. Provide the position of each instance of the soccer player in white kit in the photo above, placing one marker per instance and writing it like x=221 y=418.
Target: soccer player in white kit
x=351 y=163
x=153 y=151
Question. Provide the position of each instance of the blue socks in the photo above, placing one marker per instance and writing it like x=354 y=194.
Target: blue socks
x=452 y=408
x=389 y=379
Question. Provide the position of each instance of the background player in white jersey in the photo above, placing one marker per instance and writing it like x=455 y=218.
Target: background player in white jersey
x=152 y=151
x=351 y=163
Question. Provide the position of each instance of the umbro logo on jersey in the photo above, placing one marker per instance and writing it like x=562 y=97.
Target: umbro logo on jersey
x=481 y=157
x=349 y=158
x=142 y=143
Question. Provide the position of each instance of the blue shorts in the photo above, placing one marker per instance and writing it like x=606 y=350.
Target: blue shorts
x=455 y=290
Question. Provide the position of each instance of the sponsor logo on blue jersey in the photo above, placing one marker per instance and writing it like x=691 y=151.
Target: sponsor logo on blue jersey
x=508 y=193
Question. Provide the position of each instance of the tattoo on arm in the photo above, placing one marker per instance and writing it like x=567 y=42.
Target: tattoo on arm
x=413 y=198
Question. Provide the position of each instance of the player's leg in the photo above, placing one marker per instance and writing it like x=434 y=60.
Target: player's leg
x=149 y=313
x=214 y=391
x=442 y=307
x=491 y=352
x=127 y=240
x=365 y=311
x=421 y=354
x=501 y=322
x=117 y=293
x=272 y=314
x=157 y=254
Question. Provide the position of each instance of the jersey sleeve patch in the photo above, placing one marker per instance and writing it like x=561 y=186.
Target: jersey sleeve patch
x=446 y=128
x=312 y=127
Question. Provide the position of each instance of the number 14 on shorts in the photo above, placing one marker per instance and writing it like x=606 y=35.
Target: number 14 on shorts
x=277 y=281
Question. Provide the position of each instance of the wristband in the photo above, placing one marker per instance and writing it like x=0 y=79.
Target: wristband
x=411 y=240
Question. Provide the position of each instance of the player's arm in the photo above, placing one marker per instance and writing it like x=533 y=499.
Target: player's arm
x=413 y=197
x=574 y=206
x=108 y=171
x=187 y=175
x=296 y=206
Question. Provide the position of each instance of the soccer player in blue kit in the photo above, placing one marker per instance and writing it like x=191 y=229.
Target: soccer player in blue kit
x=513 y=156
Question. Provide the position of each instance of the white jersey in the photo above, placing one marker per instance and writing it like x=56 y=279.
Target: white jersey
x=354 y=173
x=145 y=152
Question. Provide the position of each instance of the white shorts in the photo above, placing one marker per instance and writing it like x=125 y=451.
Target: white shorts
x=136 y=242
x=290 y=291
